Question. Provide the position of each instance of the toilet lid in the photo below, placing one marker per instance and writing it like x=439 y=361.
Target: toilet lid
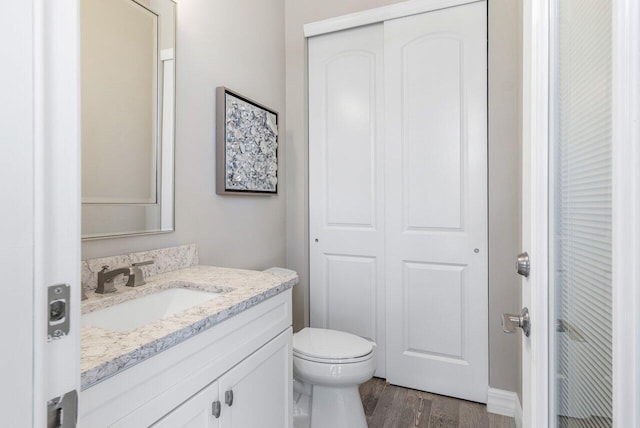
x=330 y=344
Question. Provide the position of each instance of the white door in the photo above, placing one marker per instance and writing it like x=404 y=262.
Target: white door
x=581 y=203
x=40 y=215
x=436 y=199
x=346 y=187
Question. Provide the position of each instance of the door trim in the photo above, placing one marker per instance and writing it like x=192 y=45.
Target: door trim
x=626 y=213
x=379 y=14
x=535 y=127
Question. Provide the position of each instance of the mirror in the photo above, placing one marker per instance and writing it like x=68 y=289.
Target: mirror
x=128 y=116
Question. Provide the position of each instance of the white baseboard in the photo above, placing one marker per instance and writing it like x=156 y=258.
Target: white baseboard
x=518 y=415
x=503 y=402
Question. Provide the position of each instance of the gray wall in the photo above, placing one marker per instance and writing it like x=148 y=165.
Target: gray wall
x=519 y=73
x=504 y=190
x=504 y=147
x=238 y=44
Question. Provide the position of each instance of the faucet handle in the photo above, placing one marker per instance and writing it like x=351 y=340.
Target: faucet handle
x=148 y=262
x=136 y=276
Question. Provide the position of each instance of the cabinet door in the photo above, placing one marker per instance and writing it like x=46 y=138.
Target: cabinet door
x=196 y=412
x=258 y=391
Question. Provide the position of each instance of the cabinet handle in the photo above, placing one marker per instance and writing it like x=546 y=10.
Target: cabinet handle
x=215 y=409
x=228 y=398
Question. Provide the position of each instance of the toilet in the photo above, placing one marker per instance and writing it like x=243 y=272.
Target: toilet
x=328 y=367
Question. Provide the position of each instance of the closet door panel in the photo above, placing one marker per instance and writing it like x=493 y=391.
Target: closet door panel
x=433 y=165
x=346 y=188
x=351 y=285
x=350 y=140
x=436 y=205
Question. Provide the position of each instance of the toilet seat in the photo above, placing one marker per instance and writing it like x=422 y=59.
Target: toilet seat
x=333 y=360
x=331 y=346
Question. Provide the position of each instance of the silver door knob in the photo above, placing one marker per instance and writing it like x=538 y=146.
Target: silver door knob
x=510 y=322
x=523 y=264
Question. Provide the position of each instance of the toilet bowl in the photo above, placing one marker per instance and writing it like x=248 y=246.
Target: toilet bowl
x=329 y=365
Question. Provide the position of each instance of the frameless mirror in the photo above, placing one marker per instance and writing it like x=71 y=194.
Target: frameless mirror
x=128 y=115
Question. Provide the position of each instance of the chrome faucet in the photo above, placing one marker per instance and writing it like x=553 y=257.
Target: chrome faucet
x=133 y=272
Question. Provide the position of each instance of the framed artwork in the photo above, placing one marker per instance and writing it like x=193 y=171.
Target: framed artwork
x=246 y=146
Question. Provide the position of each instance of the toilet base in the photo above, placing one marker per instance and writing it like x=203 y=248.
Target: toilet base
x=337 y=408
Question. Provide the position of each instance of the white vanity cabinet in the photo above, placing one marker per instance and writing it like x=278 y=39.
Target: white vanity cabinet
x=248 y=354
x=255 y=393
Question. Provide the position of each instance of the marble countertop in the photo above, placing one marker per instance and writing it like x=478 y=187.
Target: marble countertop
x=105 y=353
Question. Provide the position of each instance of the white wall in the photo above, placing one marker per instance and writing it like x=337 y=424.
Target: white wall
x=239 y=44
x=504 y=147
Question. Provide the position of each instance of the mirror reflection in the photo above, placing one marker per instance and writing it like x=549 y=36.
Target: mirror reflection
x=128 y=92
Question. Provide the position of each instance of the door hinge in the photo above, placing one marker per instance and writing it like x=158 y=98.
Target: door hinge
x=62 y=412
x=58 y=307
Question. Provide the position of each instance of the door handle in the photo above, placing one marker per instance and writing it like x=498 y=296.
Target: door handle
x=510 y=322
x=523 y=264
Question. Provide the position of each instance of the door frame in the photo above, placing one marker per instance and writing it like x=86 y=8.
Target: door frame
x=626 y=209
x=535 y=173
x=626 y=212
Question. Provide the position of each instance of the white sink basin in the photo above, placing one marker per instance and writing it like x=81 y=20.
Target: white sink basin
x=135 y=313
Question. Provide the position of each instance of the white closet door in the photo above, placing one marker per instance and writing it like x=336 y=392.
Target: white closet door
x=436 y=199
x=346 y=189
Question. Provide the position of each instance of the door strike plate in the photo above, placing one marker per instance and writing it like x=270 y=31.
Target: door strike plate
x=62 y=412
x=58 y=307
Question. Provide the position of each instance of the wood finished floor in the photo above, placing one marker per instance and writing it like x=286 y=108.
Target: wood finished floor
x=388 y=406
